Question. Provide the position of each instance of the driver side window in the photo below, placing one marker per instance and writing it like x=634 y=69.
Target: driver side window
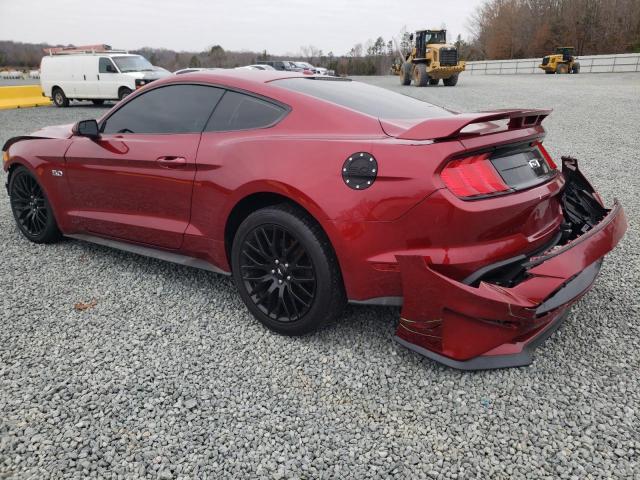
x=106 y=66
x=170 y=109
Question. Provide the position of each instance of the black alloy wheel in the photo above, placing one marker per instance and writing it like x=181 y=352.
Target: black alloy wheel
x=31 y=208
x=278 y=273
x=286 y=270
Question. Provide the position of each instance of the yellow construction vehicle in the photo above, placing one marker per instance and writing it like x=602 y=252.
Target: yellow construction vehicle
x=430 y=60
x=396 y=68
x=562 y=61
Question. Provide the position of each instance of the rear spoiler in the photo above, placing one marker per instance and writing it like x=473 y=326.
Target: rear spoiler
x=447 y=127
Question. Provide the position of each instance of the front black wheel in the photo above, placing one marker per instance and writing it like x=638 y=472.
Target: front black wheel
x=31 y=208
x=286 y=270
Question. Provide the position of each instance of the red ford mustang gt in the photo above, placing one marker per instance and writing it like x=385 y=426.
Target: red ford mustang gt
x=315 y=191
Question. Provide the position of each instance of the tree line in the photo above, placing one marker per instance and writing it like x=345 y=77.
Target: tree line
x=532 y=28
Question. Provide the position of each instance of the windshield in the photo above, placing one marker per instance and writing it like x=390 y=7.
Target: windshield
x=436 y=37
x=364 y=98
x=133 y=63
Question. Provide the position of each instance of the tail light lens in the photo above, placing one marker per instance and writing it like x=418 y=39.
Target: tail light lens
x=473 y=176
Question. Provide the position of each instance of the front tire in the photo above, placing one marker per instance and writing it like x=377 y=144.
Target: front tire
x=562 y=69
x=434 y=81
x=405 y=74
x=123 y=93
x=421 y=75
x=31 y=208
x=59 y=98
x=286 y=270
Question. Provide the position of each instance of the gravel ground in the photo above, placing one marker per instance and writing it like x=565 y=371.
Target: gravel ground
x=168 y=376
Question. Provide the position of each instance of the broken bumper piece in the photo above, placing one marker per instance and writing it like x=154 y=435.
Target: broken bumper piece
x=485 y=325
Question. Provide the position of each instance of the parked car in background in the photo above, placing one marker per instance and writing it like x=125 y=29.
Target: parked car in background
x=192 y=69
x=11 y=74
x=306 y=67
x=287 y=65
x=94 y=75
x=257 y=67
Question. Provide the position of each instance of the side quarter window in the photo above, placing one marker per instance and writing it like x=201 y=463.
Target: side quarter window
x=170 y=109
x=237 y=111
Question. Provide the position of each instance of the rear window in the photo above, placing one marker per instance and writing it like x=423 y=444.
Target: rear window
x=364 y=98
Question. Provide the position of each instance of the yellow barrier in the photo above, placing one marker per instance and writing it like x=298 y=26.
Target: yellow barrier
x=22 y=96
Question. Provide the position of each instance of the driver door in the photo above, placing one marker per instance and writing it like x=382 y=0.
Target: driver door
x=135 y=182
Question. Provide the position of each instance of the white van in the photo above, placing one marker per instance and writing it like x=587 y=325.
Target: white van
x=94 y=76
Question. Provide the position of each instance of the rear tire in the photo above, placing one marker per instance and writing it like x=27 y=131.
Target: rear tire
x=434 y=81
x=421 y=77
x=549 y=72
x=452 y=81
x=59 y=98
x=31 y=208
x=97 y=102
x=123 y=93
x=576 y=68
x=405 y=74
x=286 y=271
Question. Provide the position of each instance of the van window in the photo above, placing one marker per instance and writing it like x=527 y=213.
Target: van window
x=237 y=111
x=170 y=109
x=106 y=66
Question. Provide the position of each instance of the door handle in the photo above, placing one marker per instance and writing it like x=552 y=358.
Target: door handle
x=171 y=161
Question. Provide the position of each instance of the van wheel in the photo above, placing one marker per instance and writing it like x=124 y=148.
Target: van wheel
x=97 y=102
x=123 y=92
x=59 y=98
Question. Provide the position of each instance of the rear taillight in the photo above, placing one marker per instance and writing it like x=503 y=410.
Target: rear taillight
x=546 y=156
x=472 y=177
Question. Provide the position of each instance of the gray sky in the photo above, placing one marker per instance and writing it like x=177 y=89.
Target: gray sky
x=277 y=26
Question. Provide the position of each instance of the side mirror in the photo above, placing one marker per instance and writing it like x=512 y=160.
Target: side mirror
x=86 y=128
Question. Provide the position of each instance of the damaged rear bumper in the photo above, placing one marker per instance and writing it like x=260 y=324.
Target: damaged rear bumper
x=481 y=325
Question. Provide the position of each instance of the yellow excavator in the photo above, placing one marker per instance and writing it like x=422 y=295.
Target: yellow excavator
x=430 y=60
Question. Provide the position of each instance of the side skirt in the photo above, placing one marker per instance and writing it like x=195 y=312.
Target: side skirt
x=151 y=252
x=380 y=301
